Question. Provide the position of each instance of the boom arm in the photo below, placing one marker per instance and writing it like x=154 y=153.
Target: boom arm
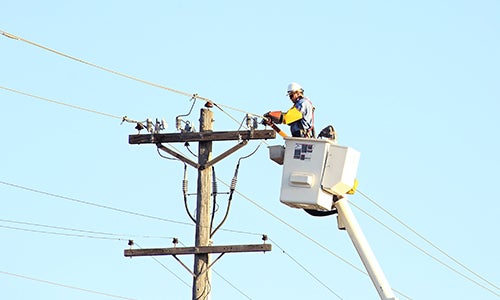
x=348 y=221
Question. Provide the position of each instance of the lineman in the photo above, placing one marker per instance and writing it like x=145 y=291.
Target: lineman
x=300 y=117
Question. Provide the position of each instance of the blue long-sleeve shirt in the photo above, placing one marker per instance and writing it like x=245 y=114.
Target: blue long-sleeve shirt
x=306 y=108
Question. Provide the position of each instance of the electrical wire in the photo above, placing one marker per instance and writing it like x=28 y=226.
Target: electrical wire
x=305 y=269
x=426 y=252
x=232 y=188
x=308 y=237
x=93 y=204
x=184 y=193
x=214 y=199
x=61 y=234
x=143 y=81
x=232 y=285
x=196 y=96
x=425 y=239
x=166 y=268
x=64 y=285
x=184 y=223
x=163 y=156
x=107 y=238
x=202 y=98
x=296 y=230
x=15 y=37
x=60 y=103
x=128 y=236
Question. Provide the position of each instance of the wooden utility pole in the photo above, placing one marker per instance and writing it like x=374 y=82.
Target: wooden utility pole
x=201 y=261
x=203 y=248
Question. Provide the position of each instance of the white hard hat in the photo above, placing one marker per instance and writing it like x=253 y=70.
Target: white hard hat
x=292 y=87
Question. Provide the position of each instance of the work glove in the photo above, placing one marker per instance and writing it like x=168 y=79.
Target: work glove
x=274 y=117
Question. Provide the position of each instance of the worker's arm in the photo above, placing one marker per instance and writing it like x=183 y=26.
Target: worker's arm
x=278 y=117
x=275 y=117
x=292 y=115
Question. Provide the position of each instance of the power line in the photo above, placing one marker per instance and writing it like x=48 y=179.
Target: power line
x=185 y=223
x=193 y=96
x=364 y=195
x=425 y=252
x=64 y=285
x=99 y=233
x=106 y=238
x=307 y=236
x=295 y=229
x=218 y=105
x=94 y=204
x=426 y=240
x=167 y=220
x=166 y=268
x=61 y=234
x=306 y=270
x=60 y=103
x=120 y=210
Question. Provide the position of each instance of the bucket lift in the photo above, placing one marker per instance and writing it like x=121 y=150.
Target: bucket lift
x=317 y=173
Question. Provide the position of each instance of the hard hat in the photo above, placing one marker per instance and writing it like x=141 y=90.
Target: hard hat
x=292 y=87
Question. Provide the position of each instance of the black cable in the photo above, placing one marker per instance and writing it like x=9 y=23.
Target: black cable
x=163 y=156
x=186 y=144
x=214 y=197
x=232 y=188
x=184 y=192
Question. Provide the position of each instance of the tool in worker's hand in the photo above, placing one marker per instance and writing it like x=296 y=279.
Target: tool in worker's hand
x=275 y=116
x=266 y=120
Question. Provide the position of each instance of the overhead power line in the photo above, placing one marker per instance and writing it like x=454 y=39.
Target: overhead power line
x=308 y=237
x=64 y=285
x=110 y=115
x=60 y=103
x=94 y=204
x=192 y=95
x=12 y=36
x=428 y=242
x=93 y=234
x=185 y=223
x=306 y=270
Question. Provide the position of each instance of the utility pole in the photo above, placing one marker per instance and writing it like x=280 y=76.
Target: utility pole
x=203 y=248
x=201 y=261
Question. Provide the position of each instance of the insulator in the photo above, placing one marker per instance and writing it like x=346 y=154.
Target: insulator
x=157 y=126
x=178 y=123
x=233 y=183
x=184 y=185
x=149 y=125
x=249 y=121
x=214 y=187
x=255 y=123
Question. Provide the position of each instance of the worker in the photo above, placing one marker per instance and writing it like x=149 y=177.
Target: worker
x=300 y=117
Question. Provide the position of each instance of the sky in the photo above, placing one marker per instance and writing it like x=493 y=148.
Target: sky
x=412 y=85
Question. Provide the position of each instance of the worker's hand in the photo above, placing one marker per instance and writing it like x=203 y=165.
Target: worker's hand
x=266 y=121
x=274 y=116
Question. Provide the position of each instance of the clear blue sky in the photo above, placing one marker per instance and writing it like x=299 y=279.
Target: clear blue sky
x=413 y=85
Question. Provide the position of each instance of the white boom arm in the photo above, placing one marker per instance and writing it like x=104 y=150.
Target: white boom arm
x=349 y=221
